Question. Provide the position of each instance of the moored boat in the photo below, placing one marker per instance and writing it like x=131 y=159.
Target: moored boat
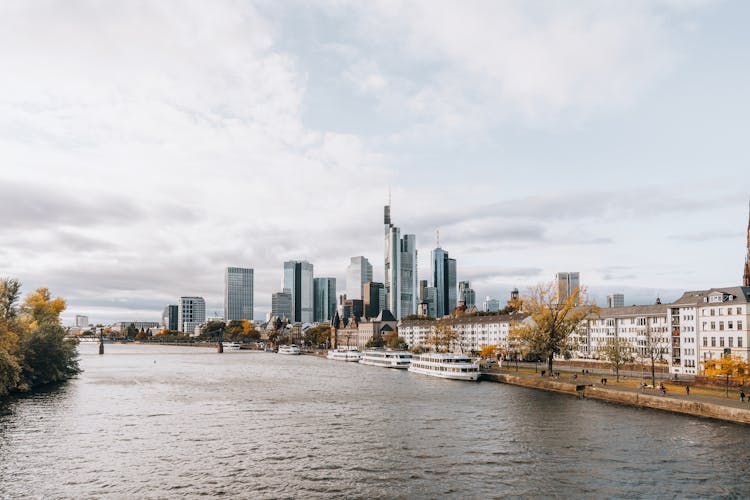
x=387 y=359
x=344 y=354
x=452 y=366
x=289 y=349
x=231 y=346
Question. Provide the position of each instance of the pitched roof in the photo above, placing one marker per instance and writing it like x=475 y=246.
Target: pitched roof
x=385 y=315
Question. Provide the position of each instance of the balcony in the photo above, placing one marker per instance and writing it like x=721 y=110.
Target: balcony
x=675 y=333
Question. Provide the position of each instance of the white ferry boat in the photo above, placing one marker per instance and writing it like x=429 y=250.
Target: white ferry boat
x=344 y=354
x=453 y=366
x=387 y=359
x=231 y=346
x=289 y=349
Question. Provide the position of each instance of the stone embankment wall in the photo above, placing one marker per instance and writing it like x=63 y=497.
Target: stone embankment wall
x=632 y=398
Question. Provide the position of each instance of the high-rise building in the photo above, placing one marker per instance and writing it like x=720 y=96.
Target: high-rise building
x=443 y=270
x=82 y=321
x=374 y=299
x=191 y=312
x=238 y=293
x=358 y=273
x=352 y=308
x=466 y=294
x=491 y=305
x=400 y=269
x=746 y=275
x=427 y=299
x=324 y=300
x=616 y=300
x=298 y=280
x=281 y=305
x=169 y=317
x=567 y=283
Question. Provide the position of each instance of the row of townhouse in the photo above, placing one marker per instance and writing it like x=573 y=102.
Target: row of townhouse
x=700 y=325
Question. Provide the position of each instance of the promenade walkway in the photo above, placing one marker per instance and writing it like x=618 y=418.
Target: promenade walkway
x=633 y=384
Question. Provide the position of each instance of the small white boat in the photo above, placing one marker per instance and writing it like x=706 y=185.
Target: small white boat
x=231 y=346
x=452 y=366
x=344 y=354
x=387 y=359
x=289 y=349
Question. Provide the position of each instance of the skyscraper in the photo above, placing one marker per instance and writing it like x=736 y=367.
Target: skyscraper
x=324 y=300
x=191 y=312
x=466 y=294
x=616 y=300
x=746 y=276
x=82 y=321
x=427 y=299
x=298 y=281
x=443 y=270
x=238 y=293
x=169 y=317
x=491 y=305
x=400 y=269
x=566 y=285
x=358 y=273
x=374 y=298
x=281 y=305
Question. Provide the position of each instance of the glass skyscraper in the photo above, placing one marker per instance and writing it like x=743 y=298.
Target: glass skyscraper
x=443 y=270
x=298 y=281
x=358 y=273
x=324 y=301
x=400 y=269
x=238 y=294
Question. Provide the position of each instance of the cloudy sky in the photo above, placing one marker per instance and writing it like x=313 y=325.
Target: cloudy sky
x=145 y=146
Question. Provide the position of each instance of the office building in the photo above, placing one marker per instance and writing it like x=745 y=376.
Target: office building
x=352 y=308
x=358 y=273
x=374 y=299
x=466 y=294
x=281 y=305
x=169 y=318
x=191 y=312
x=443 y=270
x=238 y=294
x=400 y=269
x=82 y=321
x=427 y=300
x=566 y=284
x=298 y=281
x=491 y=305
x=616 y=300
x=324 y=300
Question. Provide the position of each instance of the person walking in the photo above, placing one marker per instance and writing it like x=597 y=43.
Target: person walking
x=687 y=390
x=742 y=396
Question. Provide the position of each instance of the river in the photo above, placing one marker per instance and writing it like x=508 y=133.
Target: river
x=157 y=421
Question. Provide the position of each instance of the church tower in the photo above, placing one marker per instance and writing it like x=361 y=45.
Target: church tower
x=746 y=276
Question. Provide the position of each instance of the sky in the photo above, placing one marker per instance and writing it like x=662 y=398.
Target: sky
x=145 y=146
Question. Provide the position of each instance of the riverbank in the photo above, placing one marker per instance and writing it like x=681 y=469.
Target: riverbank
x=695 y=406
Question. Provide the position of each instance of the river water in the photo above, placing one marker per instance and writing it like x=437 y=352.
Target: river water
x=152 y=421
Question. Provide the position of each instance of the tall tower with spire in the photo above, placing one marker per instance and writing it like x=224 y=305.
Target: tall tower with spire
x=746 y=276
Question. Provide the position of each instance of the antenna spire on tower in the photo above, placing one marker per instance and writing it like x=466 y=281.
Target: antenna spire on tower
x=437 y=237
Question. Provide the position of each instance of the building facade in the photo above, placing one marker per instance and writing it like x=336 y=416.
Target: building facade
x=324 y=301
x=169 y=318
x=473 y=332
x=400 y=269
x=443 y=270
x=191 y=312
x=82 y=321
x=298 y=282
x=566 y=283
x=281 y=305
x=491 y=305
x=427 y=300
x=374 y=299
x=358 y=273
x=466 y=294
x=616 y=300
x=238 y=293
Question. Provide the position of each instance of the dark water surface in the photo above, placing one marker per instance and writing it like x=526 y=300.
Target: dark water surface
x=148 y=421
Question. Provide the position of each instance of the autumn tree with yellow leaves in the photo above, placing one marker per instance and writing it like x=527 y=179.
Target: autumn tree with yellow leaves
x=548 y=328
x=727 y=367
x=33 y=349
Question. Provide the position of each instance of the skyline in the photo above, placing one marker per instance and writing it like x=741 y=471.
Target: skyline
x=146 y=148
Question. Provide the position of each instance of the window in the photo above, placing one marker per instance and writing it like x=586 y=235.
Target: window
x=731 y=341
x=730 y=325
x=739 y=341
x=713 y=341
x=705 y=341
x=713 y=312
x=721 y=341
x=721 y=325
x=739 y=325
x=713 y=325
x=739 y=310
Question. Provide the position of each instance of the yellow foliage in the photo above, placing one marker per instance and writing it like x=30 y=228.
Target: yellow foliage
x=726 y=366
x=39 y=307
x=490 y=351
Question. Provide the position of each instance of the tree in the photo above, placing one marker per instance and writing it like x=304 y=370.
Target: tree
x=653 y=349
x=443 y=336
x=617 y=352
x=393 y=341
x=131 y=331
x=727 y=366
x=213 y=329
x=10 y=293
x=551 y=322
x=318 y=334
x=489 y=351
x=375 y=342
